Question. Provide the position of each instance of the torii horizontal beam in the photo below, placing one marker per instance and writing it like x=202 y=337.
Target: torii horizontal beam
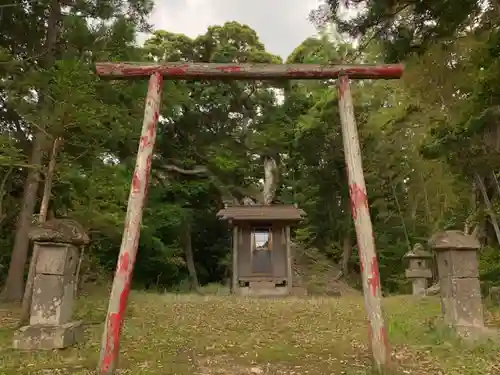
x=212 y=71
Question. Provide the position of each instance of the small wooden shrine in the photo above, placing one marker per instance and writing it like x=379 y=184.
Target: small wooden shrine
x=261 y=251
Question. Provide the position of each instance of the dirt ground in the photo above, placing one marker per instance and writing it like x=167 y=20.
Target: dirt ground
x=208 y=335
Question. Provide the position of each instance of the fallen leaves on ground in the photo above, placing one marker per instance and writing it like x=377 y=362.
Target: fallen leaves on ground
x=215 y=335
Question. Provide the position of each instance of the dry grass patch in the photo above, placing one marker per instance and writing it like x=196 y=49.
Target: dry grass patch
x=184 y=334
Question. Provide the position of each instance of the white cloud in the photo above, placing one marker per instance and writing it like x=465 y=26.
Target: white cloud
x=281 y=24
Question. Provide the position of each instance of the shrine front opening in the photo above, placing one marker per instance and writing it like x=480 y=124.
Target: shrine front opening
x=157 y=72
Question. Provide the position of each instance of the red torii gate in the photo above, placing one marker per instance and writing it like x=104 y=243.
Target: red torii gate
x=138 y=191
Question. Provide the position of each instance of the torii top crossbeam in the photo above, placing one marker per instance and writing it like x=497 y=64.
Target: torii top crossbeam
x=212 y=71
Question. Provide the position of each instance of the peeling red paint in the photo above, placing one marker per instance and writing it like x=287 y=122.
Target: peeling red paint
x=123 y=263
x=297 y=73
x=136 y=183
x=147 y=139
x=148 y=176
x=131 y=71
x=152 y=125
x=229 y=69
x=358 y=199
x=384 y=337
x=128 y=249
x=362 y=222
x=123 y=298
x=343 y=83
x=247 y=71
x=144 y=141
x=176 y=70
x=374 y=278
x=111 y=346
x=159 y=87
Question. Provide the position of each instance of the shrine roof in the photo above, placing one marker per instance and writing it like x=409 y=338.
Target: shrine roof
x=260 y=212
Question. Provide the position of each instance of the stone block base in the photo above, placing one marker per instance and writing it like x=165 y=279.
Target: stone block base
x=298 y=291
x=48 y=337
x=419 y=287
x=477 y=334
x=263 y=289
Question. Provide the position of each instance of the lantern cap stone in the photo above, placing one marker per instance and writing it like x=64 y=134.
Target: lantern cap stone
x=60 y=231
x=453 y=240
x=418 y=252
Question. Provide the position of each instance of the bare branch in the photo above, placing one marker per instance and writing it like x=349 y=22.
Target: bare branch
x=196 y=171
x=235 y=193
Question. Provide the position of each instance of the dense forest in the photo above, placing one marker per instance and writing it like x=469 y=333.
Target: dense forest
x=430 y=141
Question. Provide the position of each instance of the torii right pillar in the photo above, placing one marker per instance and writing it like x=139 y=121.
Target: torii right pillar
x=370 y=275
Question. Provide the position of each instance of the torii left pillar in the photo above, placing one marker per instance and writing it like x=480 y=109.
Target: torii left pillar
x=130 y=240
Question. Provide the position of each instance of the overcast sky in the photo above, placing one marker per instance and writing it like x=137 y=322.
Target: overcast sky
x=281 y=24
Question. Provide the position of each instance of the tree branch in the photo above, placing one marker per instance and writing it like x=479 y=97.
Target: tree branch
x=196 y=171
x=235 y=193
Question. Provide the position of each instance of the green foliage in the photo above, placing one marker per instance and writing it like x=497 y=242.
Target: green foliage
x=424 y=139
x=404 y=27
x=489 y=268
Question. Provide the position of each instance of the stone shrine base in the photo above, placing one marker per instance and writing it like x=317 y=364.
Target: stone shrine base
x=262 y=289
x=48 y=337
x=477 y=334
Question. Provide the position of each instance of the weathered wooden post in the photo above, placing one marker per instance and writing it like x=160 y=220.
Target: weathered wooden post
x=211 y=71
x=363 y=225
x=132 y=230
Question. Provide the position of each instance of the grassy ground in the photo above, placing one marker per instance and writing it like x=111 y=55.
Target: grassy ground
x=183 y=334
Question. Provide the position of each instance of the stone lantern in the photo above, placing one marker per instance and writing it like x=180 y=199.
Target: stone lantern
x=51 y=325
x=418 y=270
x=458 y=272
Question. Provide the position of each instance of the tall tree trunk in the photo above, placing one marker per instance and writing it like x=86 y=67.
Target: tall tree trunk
x=496 y=5
x=13 y=289
x=42 y=217
x=401 y=217
x=489 y=206
x=271 y=175
x=347 y=243
x=497 y=184
x=188 y=253
x=428 y=214
x=470 y=224
x=3 y=188
x=78 y=280
x=346 y=253
x=47 y=187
